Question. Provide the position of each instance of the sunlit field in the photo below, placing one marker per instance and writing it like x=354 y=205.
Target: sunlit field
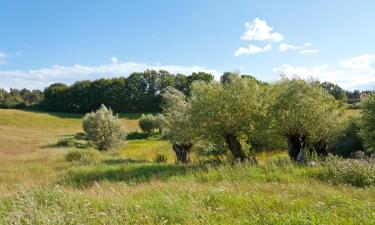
x=40 y=186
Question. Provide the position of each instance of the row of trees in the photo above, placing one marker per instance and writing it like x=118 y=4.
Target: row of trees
x=15 y=98
x=234 y=115
x=140 y=92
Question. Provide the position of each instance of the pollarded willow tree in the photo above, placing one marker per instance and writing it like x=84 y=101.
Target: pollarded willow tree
x=228 y=113
x=177 y=121
x=305 y=114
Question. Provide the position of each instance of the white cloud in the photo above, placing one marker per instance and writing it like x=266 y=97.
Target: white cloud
x=41 y=78
x=283 y=47
x=309 y=51
x=258 y=30
x=349 y=73
x=252 y=49
x=114 y=60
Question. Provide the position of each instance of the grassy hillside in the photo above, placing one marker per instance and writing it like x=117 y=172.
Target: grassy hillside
x=39 y=186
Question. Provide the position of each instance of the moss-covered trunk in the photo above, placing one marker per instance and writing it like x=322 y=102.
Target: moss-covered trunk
x=182 y=152
x=235 y=147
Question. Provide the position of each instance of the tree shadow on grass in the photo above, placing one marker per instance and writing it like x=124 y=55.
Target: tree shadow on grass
x=129 y=173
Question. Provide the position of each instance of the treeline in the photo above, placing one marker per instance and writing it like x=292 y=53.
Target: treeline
x=139 y=92
x=17 y=99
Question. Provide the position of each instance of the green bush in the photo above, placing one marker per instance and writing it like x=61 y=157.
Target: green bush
x=85 y=156
x=104 y=129
x=347 y=140
x=160 y=158
x=136 y=135
x=65 y=142
x=147 y=123
x=368 y=123
x=354 y=172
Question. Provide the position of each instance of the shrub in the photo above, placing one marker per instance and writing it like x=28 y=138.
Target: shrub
x=65 y=142
x=147 y=123
x=104 y=129
x=136 y=135
x=347 y=141
x=85 y=156
x=354 y=172
x=368 y=123
x=160 y=158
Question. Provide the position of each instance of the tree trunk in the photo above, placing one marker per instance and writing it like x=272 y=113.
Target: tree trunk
x=182 y=152
x=235 y=147
x=296 y=145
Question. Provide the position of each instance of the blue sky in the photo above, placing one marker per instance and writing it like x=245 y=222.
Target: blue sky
x=42 y=42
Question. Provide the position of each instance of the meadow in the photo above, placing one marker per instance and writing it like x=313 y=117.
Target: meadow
x=38 y=185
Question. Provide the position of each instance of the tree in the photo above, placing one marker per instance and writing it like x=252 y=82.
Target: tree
x=177 y=121
x=104 y=129
x=228 y=114
x=368 y=122
x=305 y=114
x=147 y=123
x=334 y=90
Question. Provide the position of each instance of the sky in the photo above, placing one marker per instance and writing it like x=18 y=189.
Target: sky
x=44 y=42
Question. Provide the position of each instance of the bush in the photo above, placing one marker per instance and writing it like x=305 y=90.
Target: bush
x=347 y=141
x=136 y=135
x=160 y=158
x=104 y=129
x=147 y=123
x=368 y=123
x=85 y=156
x=65 y=142
x=354 y=172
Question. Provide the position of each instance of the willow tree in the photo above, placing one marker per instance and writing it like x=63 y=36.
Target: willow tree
x=305 y=114
x=228 y=113
x=177 y=122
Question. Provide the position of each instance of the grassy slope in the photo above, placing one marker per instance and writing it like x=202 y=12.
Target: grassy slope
x=39 y=187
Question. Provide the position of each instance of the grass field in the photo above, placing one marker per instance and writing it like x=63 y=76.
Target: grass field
x=39 y=186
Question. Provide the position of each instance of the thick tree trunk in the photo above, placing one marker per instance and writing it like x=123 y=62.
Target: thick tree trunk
x=235 y=147
x=182 y=152
x=296 y=145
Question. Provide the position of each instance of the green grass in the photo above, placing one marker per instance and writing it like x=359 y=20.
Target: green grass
x=38 y=185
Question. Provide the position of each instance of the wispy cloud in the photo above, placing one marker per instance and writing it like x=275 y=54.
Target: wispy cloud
x=258 y=30
x=303 y=49
x=252 y=49
x=349 y=73
x=40 y=78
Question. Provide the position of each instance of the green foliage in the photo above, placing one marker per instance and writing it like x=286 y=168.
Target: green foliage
x=347 y=140
x=304 y=108
x=20 y=98
x=104 y=129
x=147 y=123
x=177 y=117
x=139 y=92
x=136 y=135
x=159 y=158
x=236 y=109
x=84 y=156
x=368 y=123
x=354 y=172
